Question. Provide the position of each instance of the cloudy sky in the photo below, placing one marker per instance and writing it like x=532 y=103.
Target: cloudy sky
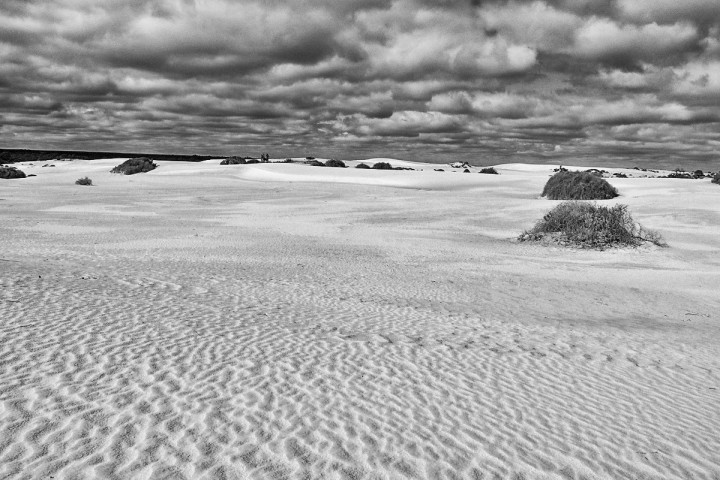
x=626 y=81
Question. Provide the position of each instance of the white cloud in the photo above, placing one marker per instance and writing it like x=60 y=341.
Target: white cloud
x=604 y=38
x=667 y=11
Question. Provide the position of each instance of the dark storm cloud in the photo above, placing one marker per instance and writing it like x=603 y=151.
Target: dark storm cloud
x=415 y=78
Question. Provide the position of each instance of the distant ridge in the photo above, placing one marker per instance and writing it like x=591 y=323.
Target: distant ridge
x=8 y=156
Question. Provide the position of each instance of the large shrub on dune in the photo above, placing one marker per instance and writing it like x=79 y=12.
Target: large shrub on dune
x=382 y=166
x=233 y=161
x=335 y=163
x=11 y=172
x=135 y=165
x=589 y=225
x=566 y=185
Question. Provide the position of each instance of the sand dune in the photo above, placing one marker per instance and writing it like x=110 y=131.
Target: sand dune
x=294 y=322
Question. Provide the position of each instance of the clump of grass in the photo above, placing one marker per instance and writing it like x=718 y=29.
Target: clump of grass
x=83 y=181
x=489 y=170
x=382 y=166
x=11 y=172
x=716 y=178
x=588 y=225
x=234 y=161
x=135 y=165
x=578 y=186
x=362 y=165
x=335 y=163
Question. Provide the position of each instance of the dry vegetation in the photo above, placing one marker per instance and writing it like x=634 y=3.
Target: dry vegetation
x=566 y=185
x=589 y=225
x=84 y=181
x=11 y=172
x=135 y=165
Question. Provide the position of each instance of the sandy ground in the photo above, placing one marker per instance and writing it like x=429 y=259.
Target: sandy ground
x=294 y=322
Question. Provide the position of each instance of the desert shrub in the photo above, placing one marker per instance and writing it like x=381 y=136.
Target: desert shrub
x=287 y=160
x=83 y=181
x=11 y=172
x=335 y=163
x=589 y=225
x=264 y=157
x=716 y=178
x=362 y=165
x=314 y=163
x=578 y=186
x=489 y=170
x=382 y=166
x=233 y=161
x=699 y=174
x=680 y=174
x=135 y=165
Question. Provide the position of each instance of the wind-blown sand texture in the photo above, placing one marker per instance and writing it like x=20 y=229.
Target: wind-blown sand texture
x=294 y=322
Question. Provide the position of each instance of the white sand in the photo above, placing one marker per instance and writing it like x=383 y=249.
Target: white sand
x=286 y=321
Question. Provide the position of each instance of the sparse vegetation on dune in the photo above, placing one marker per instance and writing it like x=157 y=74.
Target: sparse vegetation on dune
x=489 y=170
x=566 y=185
x=362 y=165
x=84 y=181
x=335 y=163
x=314 y=163
x=11 y=172
x=135 y=165
x=382 y=166
x=716 y=178
x=588 y=225
x=234 y=161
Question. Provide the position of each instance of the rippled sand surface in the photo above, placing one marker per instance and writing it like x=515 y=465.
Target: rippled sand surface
x=285 y=322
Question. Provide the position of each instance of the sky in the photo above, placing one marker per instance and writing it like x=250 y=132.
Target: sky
x=624 y=82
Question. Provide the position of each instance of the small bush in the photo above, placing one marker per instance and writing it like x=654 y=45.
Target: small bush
x=335 y=163
x=589 y=225
x=83 y=181
x=314 y=163
x=233 y=161
x=699 y=174
x=11 y=172
x=716 y=178
x=382 y=166
x=135 y=165
x=362 y=165
x=578 y=186
x=287 y=160
x=680 y=174
x=489 y=170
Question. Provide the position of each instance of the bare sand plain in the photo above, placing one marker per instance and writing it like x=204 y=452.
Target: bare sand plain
x=293 y=322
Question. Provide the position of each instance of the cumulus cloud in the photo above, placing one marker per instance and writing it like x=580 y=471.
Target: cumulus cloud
x=521 y=79
x=605 y=39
